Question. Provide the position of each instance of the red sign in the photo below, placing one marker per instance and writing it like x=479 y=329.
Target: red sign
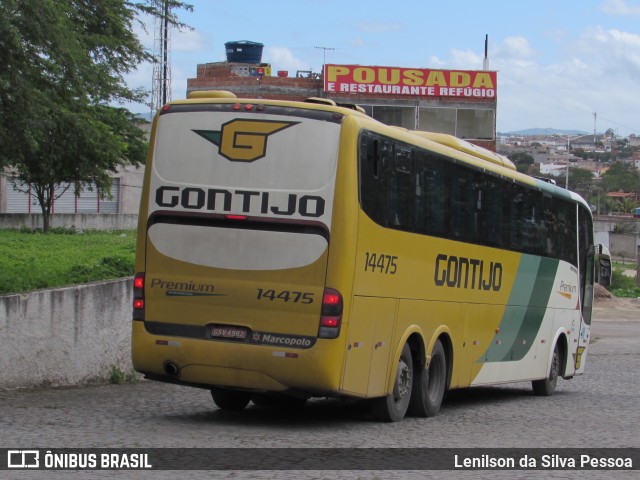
x=414 y=82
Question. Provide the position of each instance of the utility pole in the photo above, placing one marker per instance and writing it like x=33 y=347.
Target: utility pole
x=165 y=52
x=161 y=81
x=595 y=116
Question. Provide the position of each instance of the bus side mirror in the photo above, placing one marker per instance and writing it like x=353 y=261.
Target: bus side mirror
x=603 y=273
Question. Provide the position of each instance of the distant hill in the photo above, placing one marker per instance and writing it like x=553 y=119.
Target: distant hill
x=543 y=131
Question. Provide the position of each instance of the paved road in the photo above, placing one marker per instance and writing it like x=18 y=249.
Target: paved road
x=598 y=409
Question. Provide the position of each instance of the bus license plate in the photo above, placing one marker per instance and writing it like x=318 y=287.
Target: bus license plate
x=228 y=331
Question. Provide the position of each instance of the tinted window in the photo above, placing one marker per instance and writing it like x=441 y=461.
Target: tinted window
x=412 y=189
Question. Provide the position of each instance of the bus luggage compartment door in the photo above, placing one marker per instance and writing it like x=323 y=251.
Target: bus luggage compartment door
x=368 y=346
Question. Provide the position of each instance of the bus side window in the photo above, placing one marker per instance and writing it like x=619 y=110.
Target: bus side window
x=374 y=175
x=432 y=198
x=552 y=226
x=402 y=191
x=518 y=229
x=493 y=211
x=466 y=204
x=566 y=231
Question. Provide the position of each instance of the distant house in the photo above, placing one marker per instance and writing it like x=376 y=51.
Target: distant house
x=553 y=169
x=622 y=195
x=589 y=142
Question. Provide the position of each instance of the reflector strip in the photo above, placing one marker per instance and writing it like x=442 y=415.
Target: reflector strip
x=284 y=354
x=169 y=343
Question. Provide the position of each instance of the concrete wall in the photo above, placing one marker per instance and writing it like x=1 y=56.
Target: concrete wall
x=623 y=245
x=81 y=221
x=65 y=336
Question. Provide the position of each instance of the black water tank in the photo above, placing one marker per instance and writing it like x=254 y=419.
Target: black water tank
x=244 y=51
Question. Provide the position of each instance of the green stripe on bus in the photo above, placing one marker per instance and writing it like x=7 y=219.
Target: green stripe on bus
x=536 y=310
x=525 y=310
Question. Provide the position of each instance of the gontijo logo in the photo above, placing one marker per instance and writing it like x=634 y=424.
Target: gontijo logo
x=244 y=140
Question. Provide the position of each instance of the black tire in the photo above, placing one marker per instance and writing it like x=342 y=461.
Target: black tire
x=393 y=407
x=228 y=399
x=429 y=385
x=547 y=386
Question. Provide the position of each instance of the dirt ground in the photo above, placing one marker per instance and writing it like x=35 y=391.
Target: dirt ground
x=606 y=306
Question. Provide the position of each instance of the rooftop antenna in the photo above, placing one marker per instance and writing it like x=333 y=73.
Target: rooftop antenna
x=324 y=54
x=485 y=63
x=161 y=86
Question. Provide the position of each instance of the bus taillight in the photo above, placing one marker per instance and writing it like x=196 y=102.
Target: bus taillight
x=331 y=314
x=138 y=296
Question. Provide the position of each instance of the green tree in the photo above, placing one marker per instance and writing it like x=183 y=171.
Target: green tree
x=522 y=161
x=604 y=205
x=622 y=143
x=621 y=176
x=580 y=180
x=63 y=62
x=84 y=147
x=628 y=205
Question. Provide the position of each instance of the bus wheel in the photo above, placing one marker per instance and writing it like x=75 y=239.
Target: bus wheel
x=429 y=385
x=393 y=407
x=228 y=399
x=547 y=386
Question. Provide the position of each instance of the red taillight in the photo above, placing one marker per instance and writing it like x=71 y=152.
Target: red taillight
x=330 y=322
x=138 y=296
x=235 y=217
x=331 y=298
x=331 y=314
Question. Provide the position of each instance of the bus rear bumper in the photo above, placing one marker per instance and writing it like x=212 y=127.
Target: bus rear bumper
x=207 y=363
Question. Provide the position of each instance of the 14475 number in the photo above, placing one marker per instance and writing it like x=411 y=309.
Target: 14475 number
x=381 y=263
x=285 y=296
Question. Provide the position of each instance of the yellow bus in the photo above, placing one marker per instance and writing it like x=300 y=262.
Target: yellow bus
x=289 y=250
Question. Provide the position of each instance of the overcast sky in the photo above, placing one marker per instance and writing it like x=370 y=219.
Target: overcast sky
x=558 y=61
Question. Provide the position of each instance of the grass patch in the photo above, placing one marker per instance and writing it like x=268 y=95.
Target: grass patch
x=622 y=285
x=30 y=260
x=118 y=377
